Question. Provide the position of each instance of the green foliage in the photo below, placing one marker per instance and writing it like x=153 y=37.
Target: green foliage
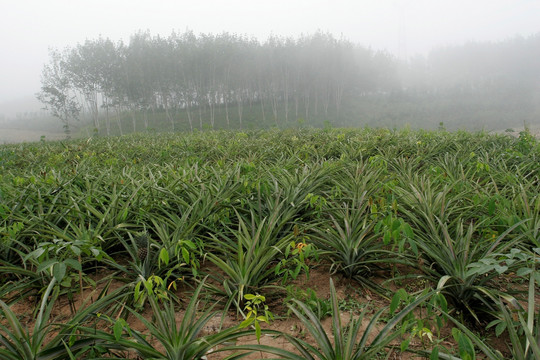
x=350 y=242
x=263 y=206
x=295 y=257
x=420 y=327
x=17 y=342
x=396 y=232
x=8 y=236
x=256 y=312
x=516 y=259
x=320 y=307
x=521 y=324
x=173 y=339
x=157 y=271
x=59 y=256
x=465 y=345
x=449 y=253
x=525 y=211
x=527 y=142
x=252 y=252
x=351 y=341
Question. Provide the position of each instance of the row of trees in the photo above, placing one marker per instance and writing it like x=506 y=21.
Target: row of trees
x=285 y=78
x=194 y=80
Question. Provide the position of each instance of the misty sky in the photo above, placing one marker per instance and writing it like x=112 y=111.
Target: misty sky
x=403 y=27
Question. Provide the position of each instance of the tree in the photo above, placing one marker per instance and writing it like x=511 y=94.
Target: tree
x=57 y=92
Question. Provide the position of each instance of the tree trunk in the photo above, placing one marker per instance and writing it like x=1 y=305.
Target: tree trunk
x=133 y=121
x=165 y=100
x=188 y=112
x=107 y=119
x=118 y=112
x=240 y=109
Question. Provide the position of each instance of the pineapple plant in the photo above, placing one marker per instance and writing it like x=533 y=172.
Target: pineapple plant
x=143 y=246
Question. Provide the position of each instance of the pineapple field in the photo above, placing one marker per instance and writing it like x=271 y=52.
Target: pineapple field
x=290 y=244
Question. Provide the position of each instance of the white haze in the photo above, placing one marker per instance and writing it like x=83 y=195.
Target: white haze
x=404 y=28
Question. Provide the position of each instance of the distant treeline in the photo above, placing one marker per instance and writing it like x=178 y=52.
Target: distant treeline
x=196 y=74
x=196 y=80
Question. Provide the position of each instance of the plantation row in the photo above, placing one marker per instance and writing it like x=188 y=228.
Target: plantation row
x=459 y=210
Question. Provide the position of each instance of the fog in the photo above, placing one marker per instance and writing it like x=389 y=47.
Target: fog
x=411 y=35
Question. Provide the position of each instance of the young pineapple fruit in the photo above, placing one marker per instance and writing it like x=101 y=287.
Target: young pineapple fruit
x=142 y=242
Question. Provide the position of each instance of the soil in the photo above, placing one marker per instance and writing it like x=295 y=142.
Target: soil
x=353 y=298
